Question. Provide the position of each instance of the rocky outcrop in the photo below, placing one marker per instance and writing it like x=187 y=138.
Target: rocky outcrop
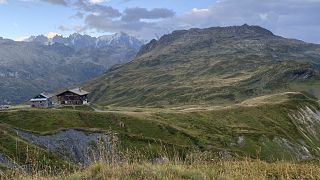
x=297 y=151
x=304 y=145
x=77 y=146
x=307 y=120
x=4 y=161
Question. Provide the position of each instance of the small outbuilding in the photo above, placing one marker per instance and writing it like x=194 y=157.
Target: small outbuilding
x=73 y=97
x=43 y=100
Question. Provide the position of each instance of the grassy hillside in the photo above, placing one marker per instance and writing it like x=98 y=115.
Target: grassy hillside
x=210 y=66
x=263 y=127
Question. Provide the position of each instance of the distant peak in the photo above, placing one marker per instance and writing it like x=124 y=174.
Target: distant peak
x=75 y=35
x=40 y=36
x=81 y=41
x=38 y=39
x=120 y=34
x=244 y=31
x=256 y=29
x=57 y=36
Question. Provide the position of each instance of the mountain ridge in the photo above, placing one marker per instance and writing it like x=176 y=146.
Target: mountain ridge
x=28 y=68
x=78 y=41
x=212 y=65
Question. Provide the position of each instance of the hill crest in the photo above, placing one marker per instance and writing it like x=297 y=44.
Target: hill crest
x=210 y=66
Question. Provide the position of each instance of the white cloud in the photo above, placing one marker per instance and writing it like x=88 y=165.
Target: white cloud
x=137 y=14
x=57 y=2
x=23 y=38
x=97 y=1
x=289 y=18
x=64 y=28
x=196 y=10
x=51 y=35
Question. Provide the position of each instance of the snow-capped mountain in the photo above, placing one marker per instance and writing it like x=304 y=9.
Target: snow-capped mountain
x=79 y=42
x=119 y=39
x=45 y=64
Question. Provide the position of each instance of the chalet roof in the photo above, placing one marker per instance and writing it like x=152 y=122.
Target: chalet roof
x=38 y=99
x=47 y=95
x=77 y=91
x=42 y=97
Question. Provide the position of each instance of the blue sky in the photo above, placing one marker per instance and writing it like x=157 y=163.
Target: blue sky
x=148 y=19
x=25 y=18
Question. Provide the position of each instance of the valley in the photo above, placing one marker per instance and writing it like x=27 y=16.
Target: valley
x=237 y=96
x=30 y=67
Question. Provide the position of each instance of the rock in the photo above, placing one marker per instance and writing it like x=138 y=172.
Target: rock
x=4 y=161
x=225 y=155
x=160 y=160
x=74 y=145
x=241 y=140
x=298 y=151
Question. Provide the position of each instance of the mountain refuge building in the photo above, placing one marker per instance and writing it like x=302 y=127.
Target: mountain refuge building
x=43 y=100
x=73 y=97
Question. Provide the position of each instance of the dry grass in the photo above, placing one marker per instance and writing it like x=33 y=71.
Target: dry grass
x=269 y=99
x=206 y=170
x=196 y=165
x=144 y=112
x=244 y=169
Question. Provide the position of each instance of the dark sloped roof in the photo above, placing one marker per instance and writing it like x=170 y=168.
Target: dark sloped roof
x=77 y=91
x=47 y=95
x=42 y=96
x=38 y=99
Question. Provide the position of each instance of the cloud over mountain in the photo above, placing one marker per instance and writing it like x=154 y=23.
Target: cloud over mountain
x=57 y=2
x=290 y=18
x=136 y=14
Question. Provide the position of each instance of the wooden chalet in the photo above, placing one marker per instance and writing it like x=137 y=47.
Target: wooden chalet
x=73 y=97
x=43 y=100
